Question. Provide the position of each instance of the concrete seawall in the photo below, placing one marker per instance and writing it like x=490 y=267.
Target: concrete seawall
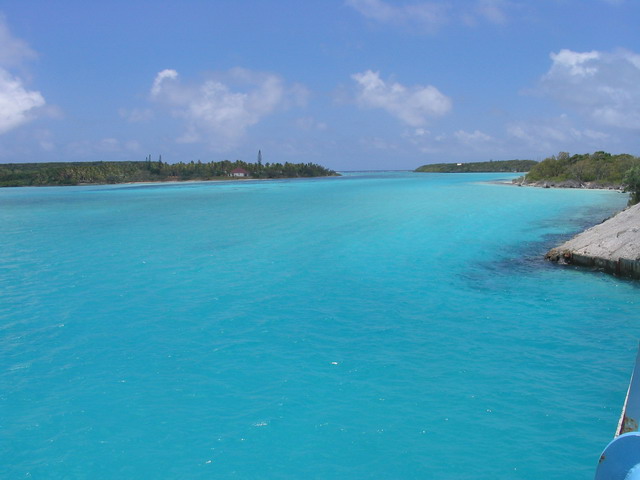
x=612 y=246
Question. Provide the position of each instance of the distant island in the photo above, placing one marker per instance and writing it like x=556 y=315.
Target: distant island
x=479 y=167
x=590 y=170
x=79 y=173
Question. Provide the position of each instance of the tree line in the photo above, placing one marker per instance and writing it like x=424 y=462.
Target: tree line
x=78 y=173
x=479 y=167
x=598 y=169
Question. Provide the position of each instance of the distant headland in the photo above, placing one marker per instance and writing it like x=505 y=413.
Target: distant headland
x=613 y=245
x=479 y=167
x=589 y=170
x=82 y=173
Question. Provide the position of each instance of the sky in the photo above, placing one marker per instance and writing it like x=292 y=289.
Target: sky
x=348 y=84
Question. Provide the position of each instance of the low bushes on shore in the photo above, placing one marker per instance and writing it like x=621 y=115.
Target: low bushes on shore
x=590 y=170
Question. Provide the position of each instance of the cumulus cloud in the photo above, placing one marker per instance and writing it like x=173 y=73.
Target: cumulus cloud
x=603 y=86
x=555 y=134
x=166 y=74
x=538 y=134
x=221 y=109
x=412 y=105
x=492 y=10
x=574 y=63
x=13 y=51
x=429 y=17
x=472 y=138
x=17 y=104
x=459 y=143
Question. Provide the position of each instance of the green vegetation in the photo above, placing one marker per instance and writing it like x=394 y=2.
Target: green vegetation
x=595 y=170
x=76 y=173
x=600 y=168
x=478 y=167
x=631 y=181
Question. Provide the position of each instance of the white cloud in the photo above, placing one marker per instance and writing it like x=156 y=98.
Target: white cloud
x=474 y=138
x=426 y=16
x=45 y=140
x=603 y=86
x=376 y=10
x=378 y=143
x=412 y=105
x=132 y=145
x=13 y=51
x=574 y=63
x=298 y=95
x=556 y=134
x=429 y=17
x=215 y=111
x=136 y=115
x=537 y=134
x=457 y=144
x=310 y=123
x=166 y=74
x=16 y=102
x=107 y=145
x=492 y=10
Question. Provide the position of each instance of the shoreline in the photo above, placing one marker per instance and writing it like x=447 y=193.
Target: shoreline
x=172 y=181
x=512 y=183
x=570 y=184
x=612 y=246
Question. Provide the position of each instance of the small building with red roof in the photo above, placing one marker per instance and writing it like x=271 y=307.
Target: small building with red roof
x=239 y=172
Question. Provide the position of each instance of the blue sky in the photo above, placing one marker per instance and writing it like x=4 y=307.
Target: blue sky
x=350 y=84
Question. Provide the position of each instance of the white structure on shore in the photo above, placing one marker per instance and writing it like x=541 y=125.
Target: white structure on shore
x=239 y=172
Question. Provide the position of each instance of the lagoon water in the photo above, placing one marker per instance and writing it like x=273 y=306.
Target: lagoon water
x=374 y=326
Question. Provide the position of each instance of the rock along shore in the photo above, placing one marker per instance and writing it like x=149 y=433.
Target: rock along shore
x=568 y=184
x=613 y=246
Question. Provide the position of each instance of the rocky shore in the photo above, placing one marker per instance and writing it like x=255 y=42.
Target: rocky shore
x=613 y=246
x=521 y=182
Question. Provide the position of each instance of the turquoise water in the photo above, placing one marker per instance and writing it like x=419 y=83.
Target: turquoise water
x=378 y=325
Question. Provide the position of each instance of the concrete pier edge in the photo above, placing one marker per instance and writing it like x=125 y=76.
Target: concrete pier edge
x=612 y=246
